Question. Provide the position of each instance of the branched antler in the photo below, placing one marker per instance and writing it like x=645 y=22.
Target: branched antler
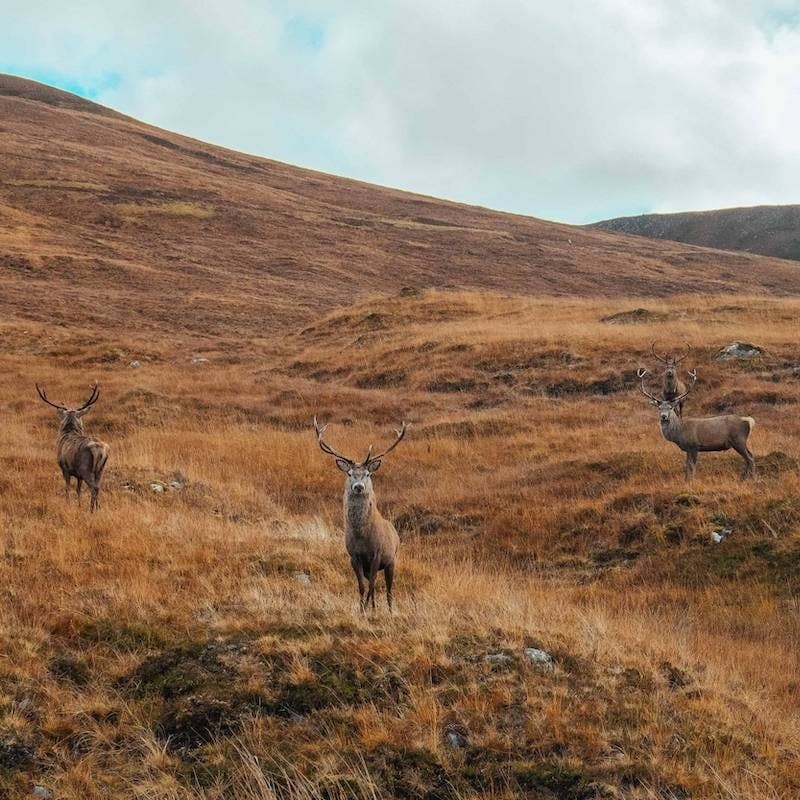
x=43 y=395
x=641 y=373
x=325 y=447
x=399 y=434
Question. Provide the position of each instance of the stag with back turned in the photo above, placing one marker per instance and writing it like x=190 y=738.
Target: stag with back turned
x=672 y=386
x=371 y=541
x=79 y=456
x=696 y=435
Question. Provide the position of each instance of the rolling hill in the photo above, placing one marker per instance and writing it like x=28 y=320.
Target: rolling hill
x=768 y=230
x=107 y=221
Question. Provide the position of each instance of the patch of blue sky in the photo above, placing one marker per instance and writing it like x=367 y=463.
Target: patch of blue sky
x=89 y=87
x=306 y=33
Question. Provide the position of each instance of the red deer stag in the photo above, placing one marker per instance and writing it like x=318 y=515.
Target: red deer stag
x=703 y=434
x=672 y=385
x=79 y=456
x=372 y=541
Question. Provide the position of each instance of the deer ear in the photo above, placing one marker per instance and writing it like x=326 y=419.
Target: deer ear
x=343 y=465
x=374 y=465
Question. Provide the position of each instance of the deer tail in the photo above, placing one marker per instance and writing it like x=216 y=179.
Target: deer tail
x=750 y=421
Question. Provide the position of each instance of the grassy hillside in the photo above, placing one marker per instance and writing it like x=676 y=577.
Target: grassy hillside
x=769 y=230
x=204 y=641
x=107 y=221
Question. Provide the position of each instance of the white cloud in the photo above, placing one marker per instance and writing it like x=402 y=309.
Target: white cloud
x=575 y=111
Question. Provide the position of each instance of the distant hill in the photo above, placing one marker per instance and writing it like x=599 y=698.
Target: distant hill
x=106 y=221
x=768 y=230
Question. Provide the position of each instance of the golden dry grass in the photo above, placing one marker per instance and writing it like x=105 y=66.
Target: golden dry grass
x=168 y=647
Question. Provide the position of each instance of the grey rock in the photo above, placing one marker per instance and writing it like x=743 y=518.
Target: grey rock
x=498 y=658
x=455 y=739
x=539 y=657
x=42 y=792
x=176 y=486
x=302 y=577
x=157 y=488
x=134 y=364
x=739 y=351
x=199 y=360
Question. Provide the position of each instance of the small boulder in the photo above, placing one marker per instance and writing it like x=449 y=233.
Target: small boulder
x=739 y=351
x=456 y=740
x=41 y=792
x=539 y=657
x=302 y=577
x=498 y=658
x=199 y=360
x=157 y=488
x=134 y=364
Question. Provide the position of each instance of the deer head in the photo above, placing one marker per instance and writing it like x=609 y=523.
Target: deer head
x=359 y=474
x=71 y=417
x=670 y=361
x=666 y=408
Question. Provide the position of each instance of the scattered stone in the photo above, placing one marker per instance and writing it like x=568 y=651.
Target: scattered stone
x=199 y=360
x=157 y=488
x=302 y=577
x=498 y=658
x=134 y=364
x=739 y=351
x=539 y=657
x=176 y=486
x=25 y=706
x=456 y=740
x=42 y=792
x=720 y=535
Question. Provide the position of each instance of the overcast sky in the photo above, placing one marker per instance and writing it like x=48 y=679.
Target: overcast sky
x=568 y=110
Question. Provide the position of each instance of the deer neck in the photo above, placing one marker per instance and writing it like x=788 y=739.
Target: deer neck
x=360 y=512
x=672 y=428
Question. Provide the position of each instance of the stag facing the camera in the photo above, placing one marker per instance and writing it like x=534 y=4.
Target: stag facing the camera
x=371 y=541
x=672 y=386
x=696 y=435
x=79 y=456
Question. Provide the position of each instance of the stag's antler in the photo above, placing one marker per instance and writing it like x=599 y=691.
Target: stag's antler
x=93 y=398
x=653 y=348
x=688 y=350
x=325 y=447
x=693 y=376
x=641 y=372
x=399 y=434
x=43 y=395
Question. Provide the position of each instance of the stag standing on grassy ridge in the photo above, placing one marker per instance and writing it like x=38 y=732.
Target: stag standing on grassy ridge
x=79 y=456
x=672 y=386
x=371 y=541
x=703 y=434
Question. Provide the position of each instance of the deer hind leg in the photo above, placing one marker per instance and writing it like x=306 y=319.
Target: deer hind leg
x=691 y=464
x=388 y=574
x=358 y=568
x=67 y=480
x=749 y=460
x=78 y=487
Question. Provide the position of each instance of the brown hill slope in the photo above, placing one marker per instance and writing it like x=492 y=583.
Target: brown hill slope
x=109 y=222
x=769 y=230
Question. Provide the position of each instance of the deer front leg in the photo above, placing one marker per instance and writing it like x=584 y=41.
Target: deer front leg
x=66 y=485
x=388 y=575
x=373 y=576
x=358 y=568
x=691 y=464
